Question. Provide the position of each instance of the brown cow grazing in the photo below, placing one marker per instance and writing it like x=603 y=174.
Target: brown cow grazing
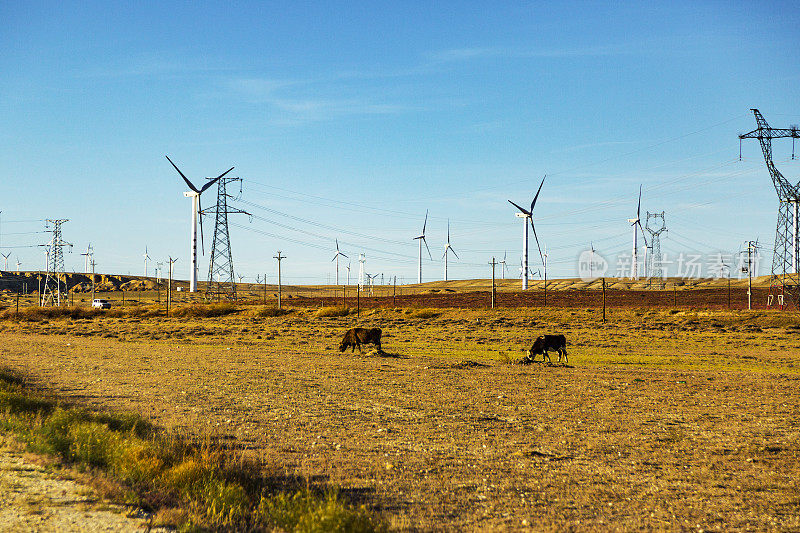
x=545 y=343
x=357 y=336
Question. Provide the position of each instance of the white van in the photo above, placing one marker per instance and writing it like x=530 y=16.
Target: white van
x=99 y=303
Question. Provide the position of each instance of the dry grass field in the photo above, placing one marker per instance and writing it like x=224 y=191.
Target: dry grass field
x=664 y=420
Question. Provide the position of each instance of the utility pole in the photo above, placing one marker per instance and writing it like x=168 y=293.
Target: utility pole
x=280 y=258
x=751 y=247
x=93 y=263
x=544 y=257
x=169 y=284
x=494 y=263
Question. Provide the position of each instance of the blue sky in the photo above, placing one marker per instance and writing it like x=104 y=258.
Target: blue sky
x=348 y=120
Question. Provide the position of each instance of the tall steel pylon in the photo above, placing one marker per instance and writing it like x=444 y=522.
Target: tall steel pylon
x=785 y=281
x=51 y=291
x=221 y=279
x=655 y=268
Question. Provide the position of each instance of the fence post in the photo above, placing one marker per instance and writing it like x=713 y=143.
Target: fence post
x=604 y=300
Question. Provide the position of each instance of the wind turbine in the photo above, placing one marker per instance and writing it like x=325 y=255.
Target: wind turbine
x=634 y=223
x=6 y=256
x=447 y=248
x=336 y=258
x=421 y=239
x=348 y=273
x=194 y=194
x=527 y=215
x=89 y=253
x=18 y=265
x=505 y=266
x=146 y=258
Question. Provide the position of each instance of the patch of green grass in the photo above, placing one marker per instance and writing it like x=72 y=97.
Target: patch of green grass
x=217 y=490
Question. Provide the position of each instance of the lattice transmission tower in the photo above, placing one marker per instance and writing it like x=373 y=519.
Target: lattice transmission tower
x=655 y=268
x=785 y=281
x=51 y=291
x=221 y=279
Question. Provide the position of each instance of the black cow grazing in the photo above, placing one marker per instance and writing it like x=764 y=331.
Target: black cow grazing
x=553 y=343
x=357 y=336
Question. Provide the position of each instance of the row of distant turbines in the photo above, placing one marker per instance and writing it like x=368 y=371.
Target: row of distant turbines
x=525 y=214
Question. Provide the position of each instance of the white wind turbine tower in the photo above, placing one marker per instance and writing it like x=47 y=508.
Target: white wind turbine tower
x=87 y=255
x=18 y=265
x=421 y=239
x=527 y=215
x=336 y=258
x=6 y=256
x=361 y=260
x=146 y=258
x=635 y=253
x=194 y=194
x=447 y=248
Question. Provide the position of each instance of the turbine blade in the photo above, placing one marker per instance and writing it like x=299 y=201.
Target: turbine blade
x=334 y=257
x=639 y=206
x=533 y=203
x=200 y=216
x=189 y=183
x=445 y=253
x=426 y=247
x=337 y=245
x=537 y=241
x=448 y=231
x=425 y=224
x=520 y=208
x=642 y=229
x=212 y=182
x=340 y=253
x=454 y=252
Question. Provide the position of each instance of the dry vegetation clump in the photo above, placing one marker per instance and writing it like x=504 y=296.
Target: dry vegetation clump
x=333 y=311
x=425 y=313
x=139 y=311
x=191 y=486
x=204 y=311
x=268 y=311
x=36 y=313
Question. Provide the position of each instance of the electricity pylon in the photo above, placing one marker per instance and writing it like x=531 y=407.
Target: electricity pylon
x=785 y=281
x=655 y=268
x=221 y=280
x=51 y=291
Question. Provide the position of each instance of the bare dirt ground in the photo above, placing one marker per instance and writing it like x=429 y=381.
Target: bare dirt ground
x=34 y=499
x=665 y=420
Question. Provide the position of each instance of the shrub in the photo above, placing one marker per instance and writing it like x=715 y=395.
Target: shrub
x=204 y=311
x=333 y=311
x=267 y=311
x=425 y=313
x=36 y=313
